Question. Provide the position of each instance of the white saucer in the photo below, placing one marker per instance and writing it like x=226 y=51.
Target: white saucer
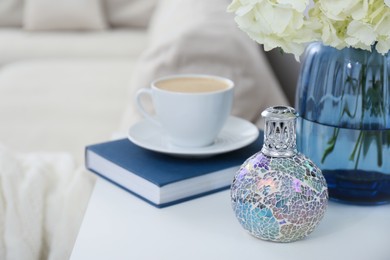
x=236 y=134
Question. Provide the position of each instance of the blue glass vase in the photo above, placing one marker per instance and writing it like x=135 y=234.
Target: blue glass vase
x=343 y=98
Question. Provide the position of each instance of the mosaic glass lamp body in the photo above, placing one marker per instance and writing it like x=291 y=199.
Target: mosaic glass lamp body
x=278 y=194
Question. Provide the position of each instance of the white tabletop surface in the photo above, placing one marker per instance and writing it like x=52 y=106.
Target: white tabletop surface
x=118 y=225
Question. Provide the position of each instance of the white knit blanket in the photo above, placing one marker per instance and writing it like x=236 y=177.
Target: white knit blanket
x=43 y=197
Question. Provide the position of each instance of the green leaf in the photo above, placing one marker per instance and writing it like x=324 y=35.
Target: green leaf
x=331 y=144
x=357 y=145
x=366 y=143
x=379 y=148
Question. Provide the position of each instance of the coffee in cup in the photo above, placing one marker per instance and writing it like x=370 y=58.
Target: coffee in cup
x=191 y=85
x=190 y=109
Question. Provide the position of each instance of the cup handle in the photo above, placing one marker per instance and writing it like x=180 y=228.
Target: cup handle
x=139 y=94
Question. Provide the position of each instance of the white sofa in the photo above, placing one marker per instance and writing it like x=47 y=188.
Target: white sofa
x=61 y=90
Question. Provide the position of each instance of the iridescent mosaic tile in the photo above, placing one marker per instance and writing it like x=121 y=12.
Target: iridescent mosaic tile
x=280 y=199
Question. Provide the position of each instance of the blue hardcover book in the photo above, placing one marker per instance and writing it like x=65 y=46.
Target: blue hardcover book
x=163 y=180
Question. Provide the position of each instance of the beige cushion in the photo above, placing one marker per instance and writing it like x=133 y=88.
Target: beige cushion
x=129 y=13
x=107 y=44
x=11 y=13
x=64 y=15
x=199 y=36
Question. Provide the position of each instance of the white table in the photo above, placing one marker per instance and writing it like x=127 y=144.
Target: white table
x=118 y=225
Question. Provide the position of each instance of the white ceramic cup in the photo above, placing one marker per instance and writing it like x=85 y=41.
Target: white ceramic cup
x=190 y=109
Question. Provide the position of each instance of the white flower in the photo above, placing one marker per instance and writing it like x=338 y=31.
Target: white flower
x=336 y=9
x=383 y=26
x=383 y=45
x=330 y=35
x=298 y=5
x=291 y=24
x=360 y=35
x=359 y=10
x=281 y=22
